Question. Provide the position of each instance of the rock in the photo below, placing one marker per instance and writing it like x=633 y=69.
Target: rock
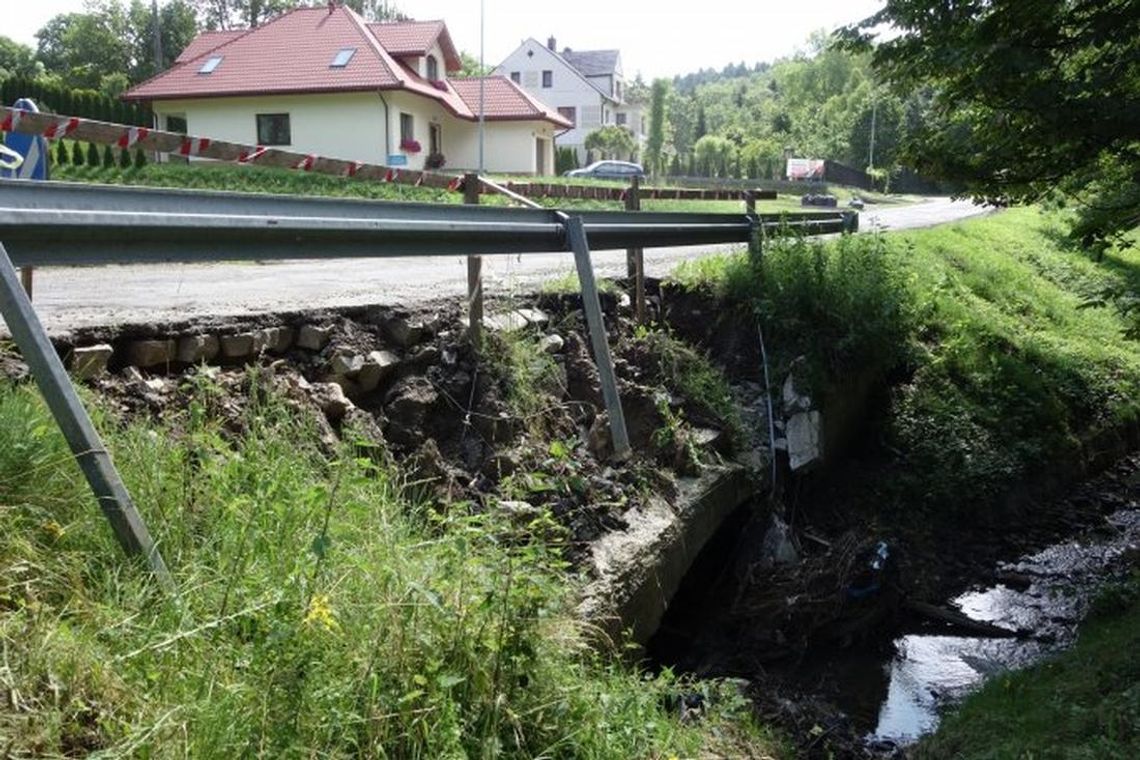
x=624 y=301
x=778 y=548
x=365 y=427
x=330 y=398
x=150 y=353
x=551 y=344
x=277 y=339
x=404 y=332
x=90 y=361
x=519 y=511
x=347 y=364
x=598 y=439
x=408 y=407
x=536 y=317
x=379 y=365
x=314 y=338
x=194 y=349
x=794 y=393
x=157 y=384
x=425 y=357
x=707 y=437
x=131 y=374
x=804 y=439
x=239 y=346
x=582 y=381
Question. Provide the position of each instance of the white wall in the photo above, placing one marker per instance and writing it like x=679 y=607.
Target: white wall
x=569 y=89
x=351 y=127
x=348 y=126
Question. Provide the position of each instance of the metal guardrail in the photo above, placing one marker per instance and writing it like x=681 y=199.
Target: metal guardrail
x=57 y=223
x=53 y=223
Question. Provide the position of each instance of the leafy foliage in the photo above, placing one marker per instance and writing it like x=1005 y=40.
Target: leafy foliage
x=1029 y=97
x=611 y=142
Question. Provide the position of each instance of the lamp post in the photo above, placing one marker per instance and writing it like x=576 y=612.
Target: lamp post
x=482 y=84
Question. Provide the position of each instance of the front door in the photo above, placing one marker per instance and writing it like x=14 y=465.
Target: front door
x=435 y=139
x=540 y=156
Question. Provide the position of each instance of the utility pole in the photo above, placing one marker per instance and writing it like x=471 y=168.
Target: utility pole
x=157 y=36
x=874 y=108
x=482 y=84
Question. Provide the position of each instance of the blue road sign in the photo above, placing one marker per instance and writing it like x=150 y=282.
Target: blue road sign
x=33 y=148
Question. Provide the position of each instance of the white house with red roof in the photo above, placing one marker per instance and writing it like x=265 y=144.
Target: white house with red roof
x=324 y=81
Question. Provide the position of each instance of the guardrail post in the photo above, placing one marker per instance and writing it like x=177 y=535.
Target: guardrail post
x=26 y=280
x=472 y=186
x=635 y=257
x=851 y=221
x=72 y=418
x=754 y=242
x=576 y=238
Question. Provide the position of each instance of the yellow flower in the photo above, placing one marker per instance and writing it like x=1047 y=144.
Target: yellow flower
x=320 y=613
x=53 y=529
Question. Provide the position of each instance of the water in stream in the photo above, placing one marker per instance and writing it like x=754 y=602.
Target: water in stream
x=893 y=692
x=927 y=671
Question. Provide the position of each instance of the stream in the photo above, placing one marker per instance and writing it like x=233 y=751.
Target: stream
x=887 y=691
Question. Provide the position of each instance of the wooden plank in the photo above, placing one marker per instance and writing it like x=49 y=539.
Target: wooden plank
x=635 y=257
x=472 y=186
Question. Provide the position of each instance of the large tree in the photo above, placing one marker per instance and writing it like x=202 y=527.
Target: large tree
x=1031 y=98
x=17 y=59
x=655 y=146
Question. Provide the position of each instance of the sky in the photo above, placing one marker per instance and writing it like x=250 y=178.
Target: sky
x=656 y=39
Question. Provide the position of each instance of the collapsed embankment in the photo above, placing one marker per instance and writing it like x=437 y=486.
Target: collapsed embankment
x=306 y=470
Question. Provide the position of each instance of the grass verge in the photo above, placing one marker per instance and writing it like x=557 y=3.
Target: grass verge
x=320 y=613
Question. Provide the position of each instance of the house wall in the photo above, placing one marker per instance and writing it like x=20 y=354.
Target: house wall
x=347 y=126
x=569 y=89
x=351 y=126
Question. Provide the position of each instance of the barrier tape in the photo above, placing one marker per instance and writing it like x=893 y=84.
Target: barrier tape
x=55 y=127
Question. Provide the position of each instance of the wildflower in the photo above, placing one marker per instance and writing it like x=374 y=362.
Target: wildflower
x=53 y=529
x=320 y=613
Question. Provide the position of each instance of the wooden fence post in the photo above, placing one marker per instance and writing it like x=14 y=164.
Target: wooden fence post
x=754 y=244
x=472 y=186
x=635 y=257
x=26 y=280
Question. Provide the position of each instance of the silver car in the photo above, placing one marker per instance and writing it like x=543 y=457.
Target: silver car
x=609 y=170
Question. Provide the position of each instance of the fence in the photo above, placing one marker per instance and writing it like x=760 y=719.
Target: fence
x=50 y=223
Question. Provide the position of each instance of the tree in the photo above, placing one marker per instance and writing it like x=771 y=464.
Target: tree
x=1029 y=98
x=714 y=156
x=85 y=47
x=470 y=66
x=178 y=25
x=17 y=59
x=656 y=142
x=611 y=142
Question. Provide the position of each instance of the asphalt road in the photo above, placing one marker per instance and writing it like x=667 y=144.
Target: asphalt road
x=71 y=297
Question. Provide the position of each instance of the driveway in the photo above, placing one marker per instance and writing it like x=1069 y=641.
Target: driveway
x=70 y=297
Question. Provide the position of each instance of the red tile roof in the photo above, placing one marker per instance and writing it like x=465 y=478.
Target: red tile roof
x=293 y=52
x=415 y=38
x=503 y=100
x=207 y=41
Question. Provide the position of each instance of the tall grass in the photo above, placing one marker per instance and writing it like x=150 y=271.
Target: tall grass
x=319 y=612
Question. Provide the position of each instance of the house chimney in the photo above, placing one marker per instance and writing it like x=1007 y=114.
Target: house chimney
x=332 y=6
x=551 y=43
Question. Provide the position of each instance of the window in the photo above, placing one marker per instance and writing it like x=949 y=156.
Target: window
x=570 y=113
x=515 y=77
x=177 y=124
x=209 y=66
x=273 y=129
x=342 y=58
x=432 y=68
x=548 y=79
x=407 y=128
x=620 y=119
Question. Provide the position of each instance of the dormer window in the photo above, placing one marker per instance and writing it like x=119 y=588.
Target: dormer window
x=211 y=64
x=343 y=56
x=432 y=68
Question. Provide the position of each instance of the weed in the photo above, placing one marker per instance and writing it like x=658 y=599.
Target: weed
x=568 y=284
x=316 y=615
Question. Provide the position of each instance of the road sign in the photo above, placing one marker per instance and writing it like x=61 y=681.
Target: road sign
x=33 y=148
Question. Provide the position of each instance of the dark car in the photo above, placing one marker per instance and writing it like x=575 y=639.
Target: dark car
x=609 y=170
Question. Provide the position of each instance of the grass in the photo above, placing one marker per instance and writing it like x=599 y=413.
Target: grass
x=1004 y=362
x=320 y=612
x=1083 y=704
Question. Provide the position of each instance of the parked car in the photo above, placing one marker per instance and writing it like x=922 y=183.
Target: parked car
x=609 y=170
x=820 y=199
x=856 y=203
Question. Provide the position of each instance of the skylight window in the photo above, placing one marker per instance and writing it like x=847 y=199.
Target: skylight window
x=342 y=58
x=209 y=66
